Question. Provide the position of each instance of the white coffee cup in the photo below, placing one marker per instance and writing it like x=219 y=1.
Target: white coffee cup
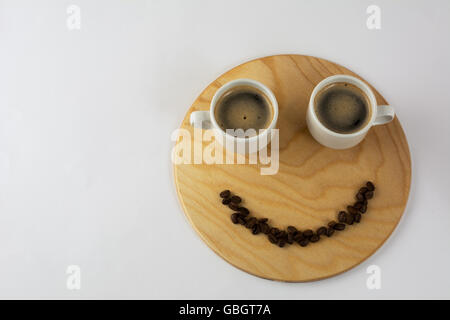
x=242 y=145
x=380 y=114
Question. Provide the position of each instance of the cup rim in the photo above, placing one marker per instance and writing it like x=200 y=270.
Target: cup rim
x=253 y=83
x=352 y=80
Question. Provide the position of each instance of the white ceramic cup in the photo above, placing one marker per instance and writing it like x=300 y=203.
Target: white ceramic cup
x=380 y=114
x=242 y=145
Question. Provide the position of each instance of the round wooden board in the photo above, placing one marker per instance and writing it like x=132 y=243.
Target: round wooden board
x=313 y=182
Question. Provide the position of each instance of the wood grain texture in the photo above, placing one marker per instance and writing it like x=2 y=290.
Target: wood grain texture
x=313 y=182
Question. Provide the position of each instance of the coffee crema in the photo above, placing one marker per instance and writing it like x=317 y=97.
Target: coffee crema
x=342 y=107
x=244 y=107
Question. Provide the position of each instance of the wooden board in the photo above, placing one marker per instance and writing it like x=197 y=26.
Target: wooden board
x=312 y=184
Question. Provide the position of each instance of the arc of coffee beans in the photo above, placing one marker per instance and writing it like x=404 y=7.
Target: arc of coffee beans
x=241 y=215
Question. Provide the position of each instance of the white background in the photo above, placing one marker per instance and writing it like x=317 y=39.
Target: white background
x=85 y=123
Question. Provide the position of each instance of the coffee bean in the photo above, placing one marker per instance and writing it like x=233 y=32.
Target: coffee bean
x=236 y=199
x=251 y=222
x=291 y=229
x=339 y=226
x=321 y=231
x=358 y=205
x=241 y=220
x=363 y=209
x=331 y=224
x=281 y=243
x=225 y=194
x=363 y=190
x=226 y=201
x=290 y=238
x=303 y=242
x=350 y=218
x=299 y=236
x=370 y=186
x=241 y=215
x=234 y=218
x=274 y=231
x=256 y=229
x=233 y=206
x=282 y=235
x=352 y=209
x=330 y=232
x=369 y=194
x=314 y=238
x=243 y=210
x=342 y=216
x=357 y=217
x=272 y=238
x=265 y=228
x=308 y=233
x=360 y=196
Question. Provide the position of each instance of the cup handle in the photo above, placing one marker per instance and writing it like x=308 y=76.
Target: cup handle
x=200 y=119
x=385 y=114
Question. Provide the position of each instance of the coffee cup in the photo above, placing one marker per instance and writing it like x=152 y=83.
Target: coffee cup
x=243 y=141
x=337 y=119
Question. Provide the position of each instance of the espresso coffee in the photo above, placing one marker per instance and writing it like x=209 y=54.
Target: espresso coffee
x=342 y=107
x=244 y=107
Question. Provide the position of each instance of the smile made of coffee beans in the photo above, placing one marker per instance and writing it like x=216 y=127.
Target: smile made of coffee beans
x=291 y=235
